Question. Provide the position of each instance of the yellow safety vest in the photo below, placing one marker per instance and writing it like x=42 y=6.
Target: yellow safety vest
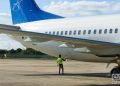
x=59 y=61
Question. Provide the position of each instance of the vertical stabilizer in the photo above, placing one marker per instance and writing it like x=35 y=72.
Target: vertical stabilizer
x=27 y=11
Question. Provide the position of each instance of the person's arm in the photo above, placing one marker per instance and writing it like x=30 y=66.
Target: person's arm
x=63 y=59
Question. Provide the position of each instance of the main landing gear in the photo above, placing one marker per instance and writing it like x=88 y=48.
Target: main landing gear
x=115 y=70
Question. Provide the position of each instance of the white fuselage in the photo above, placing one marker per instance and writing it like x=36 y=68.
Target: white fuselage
x=99 y=28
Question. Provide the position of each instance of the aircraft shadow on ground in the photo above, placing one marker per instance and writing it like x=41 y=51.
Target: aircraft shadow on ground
x=104 y=75
x=100 y=85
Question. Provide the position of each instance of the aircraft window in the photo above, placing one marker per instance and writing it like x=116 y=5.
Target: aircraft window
x=66 y=32
x=100 y=31
x=116 y=30
x=89 y=31
x=49 y=32
x=110 y=31
x=95 y=31
x=79 y=32
x=53 y=33
x=57 y=32
x=105 y=31
x=70 y=32
x=75 y=32
x=61 y=32
x=84 y=32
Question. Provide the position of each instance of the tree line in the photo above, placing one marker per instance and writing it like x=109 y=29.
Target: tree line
x=28 y=51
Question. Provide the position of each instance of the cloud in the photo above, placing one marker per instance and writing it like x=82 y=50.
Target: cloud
x=8 y=43
x=83 y=8
x=5 y=18
x=5 y=15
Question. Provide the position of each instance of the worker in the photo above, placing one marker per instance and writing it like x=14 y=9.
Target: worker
x=60 y=64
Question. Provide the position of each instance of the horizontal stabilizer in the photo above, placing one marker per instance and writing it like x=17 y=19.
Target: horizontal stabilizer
x=3 y=26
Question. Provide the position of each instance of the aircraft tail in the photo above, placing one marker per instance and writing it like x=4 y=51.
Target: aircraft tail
x=27 y=11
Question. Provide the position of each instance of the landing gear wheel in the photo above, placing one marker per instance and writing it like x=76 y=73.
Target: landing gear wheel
x=115 y=70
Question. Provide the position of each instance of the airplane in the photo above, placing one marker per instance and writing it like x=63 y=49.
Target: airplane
x=88 y=39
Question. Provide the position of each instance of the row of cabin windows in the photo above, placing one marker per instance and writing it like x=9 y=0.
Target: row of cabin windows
x=79 y=32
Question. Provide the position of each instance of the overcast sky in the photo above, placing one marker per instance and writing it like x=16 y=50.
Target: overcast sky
x=66 y=8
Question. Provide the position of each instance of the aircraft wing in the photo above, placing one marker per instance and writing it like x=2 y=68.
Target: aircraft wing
x=69 y=40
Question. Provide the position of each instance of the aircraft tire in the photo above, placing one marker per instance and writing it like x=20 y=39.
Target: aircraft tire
x=115 y=70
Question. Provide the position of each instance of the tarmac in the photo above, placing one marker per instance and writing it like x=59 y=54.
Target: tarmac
x=36 y=72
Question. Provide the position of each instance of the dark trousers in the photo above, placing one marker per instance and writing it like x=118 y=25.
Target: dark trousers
x=61 y=68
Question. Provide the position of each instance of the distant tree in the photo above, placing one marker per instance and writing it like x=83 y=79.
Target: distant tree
x=3 y=51
x=12 y=51
x=28 y=51
x=31 y=51
x=19 y=51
